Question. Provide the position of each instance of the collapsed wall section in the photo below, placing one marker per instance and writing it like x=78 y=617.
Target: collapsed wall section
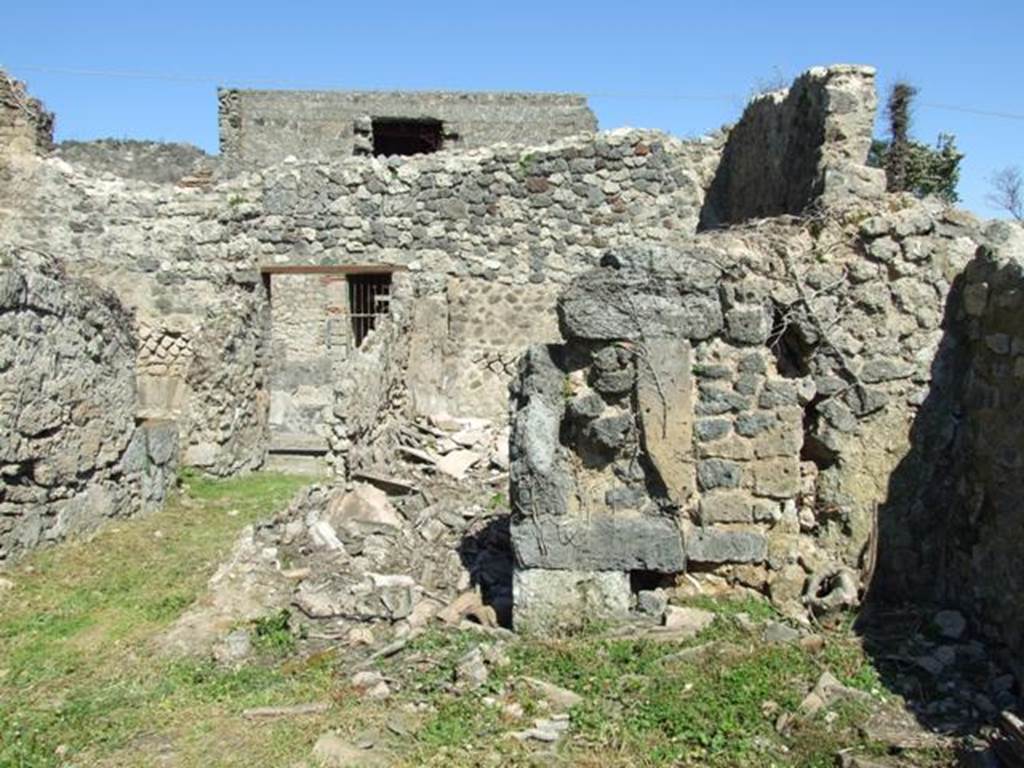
x=157 y=162
x=71 y=454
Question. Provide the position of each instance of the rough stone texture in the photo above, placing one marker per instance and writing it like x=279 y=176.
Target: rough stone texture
x=70 y=453
x=602 y=543
x=152 y=161
x=952 y=528
x=259 y=128
x=225 y=421
x=549 y=601
x=486 y=251
x=837 y=365
x=797 y=146
x=25 y=125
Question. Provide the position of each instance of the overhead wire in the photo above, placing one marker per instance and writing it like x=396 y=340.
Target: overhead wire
x=644 y=95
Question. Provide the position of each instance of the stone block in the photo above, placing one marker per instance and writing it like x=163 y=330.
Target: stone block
x=552 y=601
x=749 y=324
x=665 y=402
x=714 y=545
x=613 y=543
x=778 y=478
x=726 y=507
x=718 y=473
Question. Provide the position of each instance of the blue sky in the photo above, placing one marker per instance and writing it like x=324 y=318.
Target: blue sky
x=683 y=67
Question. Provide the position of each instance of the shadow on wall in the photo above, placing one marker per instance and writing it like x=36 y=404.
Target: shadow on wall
x=941 y=616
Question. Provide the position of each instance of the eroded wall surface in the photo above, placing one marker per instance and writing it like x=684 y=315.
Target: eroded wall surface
x=71 y=454
x=488 y=238
x=745 y=409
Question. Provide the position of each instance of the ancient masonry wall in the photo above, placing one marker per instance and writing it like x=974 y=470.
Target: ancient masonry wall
x=71 y=454
x=954 y=534
x=742 y=408
x=791 y=149
x=25 y=126
x=261 y=128
x=487 y=237
x=152 y=161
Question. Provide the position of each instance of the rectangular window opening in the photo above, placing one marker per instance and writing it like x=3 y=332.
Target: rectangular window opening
x=369 y=297
x=401 y=136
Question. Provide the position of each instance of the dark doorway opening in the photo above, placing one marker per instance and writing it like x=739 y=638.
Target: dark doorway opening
x=402 y=136
x=369 y=296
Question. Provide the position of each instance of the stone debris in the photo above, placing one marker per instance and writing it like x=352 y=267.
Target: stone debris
x=559 y=699
x=827 y=691
x=457 y=463
x=471 y=670
x=333 y=751
x=548 y=730
x=778 y=633
x=687 y=622
x=951 y=624
x=295 y=710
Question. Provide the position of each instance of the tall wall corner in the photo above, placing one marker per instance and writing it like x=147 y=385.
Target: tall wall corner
x=797 y=149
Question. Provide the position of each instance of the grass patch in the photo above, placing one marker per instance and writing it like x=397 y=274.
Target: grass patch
x=78 y=678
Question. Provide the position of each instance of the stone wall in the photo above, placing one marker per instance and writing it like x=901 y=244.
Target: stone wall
x=796 y=147
x=787 y=367
x=260 y=128
x=25 y=125
x=951 y=529
x=488 y=238
x=71 y=455
x=224 y=426
x=152 y=161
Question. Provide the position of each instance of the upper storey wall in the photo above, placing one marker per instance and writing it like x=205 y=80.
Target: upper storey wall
x=25 y=126
x=794 y=149
x=259 y=128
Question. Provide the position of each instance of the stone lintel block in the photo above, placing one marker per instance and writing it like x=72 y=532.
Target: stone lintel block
x=551 y=601
x=715 y=545
x=609 y=305
x=601 y=543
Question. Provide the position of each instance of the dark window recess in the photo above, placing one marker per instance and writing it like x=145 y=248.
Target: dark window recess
x=393 y=136
x=368 y=298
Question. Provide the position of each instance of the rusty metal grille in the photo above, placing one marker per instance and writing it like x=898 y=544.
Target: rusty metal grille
x=369 y=298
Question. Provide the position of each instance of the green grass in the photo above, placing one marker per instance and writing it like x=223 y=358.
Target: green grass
x=81 y=682
x=78 y=674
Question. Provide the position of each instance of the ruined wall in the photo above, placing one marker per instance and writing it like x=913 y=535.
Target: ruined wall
x=152 y=161
x=71 y=455
x=25 y=125
x=490 y=236
x=951 y=529
x=224 y=424
x=985 y=574
x=791 y=148
x=788 y=366
x=261 y=128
